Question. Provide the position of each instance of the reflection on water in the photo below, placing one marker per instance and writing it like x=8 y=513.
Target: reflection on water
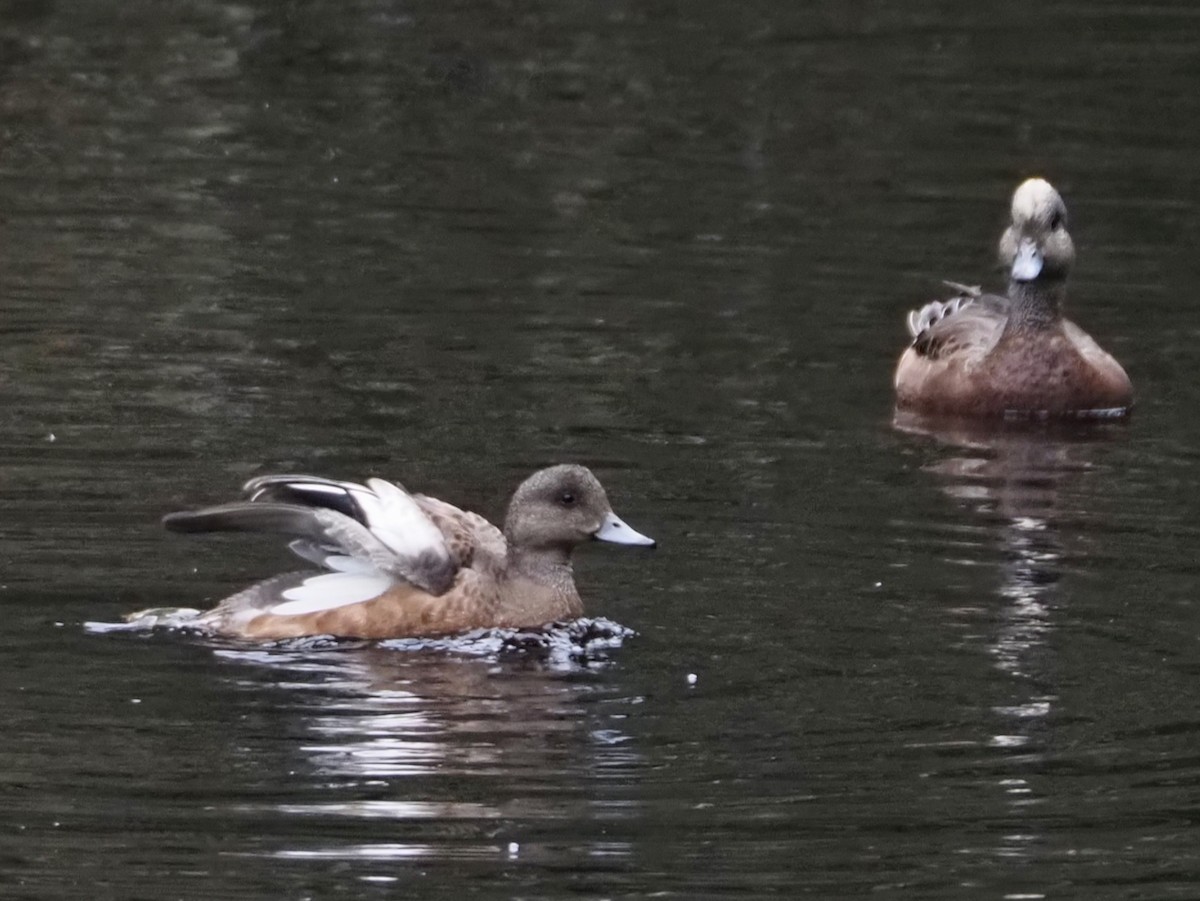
x=1016 y=478
x=1013 y=476
x=432 y=742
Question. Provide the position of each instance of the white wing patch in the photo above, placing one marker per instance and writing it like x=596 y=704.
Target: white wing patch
x=395 y=519
x=340 y=563
x=329 y=591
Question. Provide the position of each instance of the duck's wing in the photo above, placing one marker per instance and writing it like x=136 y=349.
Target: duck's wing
x=296 y=594
x=349 y=498
x=355 y=530
x=965 y=326
x=472 y=540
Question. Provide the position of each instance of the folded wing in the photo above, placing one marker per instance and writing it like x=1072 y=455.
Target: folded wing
x=968 y=325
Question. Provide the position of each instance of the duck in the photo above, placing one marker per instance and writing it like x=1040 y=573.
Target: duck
x=1014 y=356
x=394 y=564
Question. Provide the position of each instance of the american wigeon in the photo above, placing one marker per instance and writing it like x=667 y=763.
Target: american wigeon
x=984 y=355
x=402 y=565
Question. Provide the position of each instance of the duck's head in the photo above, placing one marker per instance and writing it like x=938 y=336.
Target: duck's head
x=1036 y=245
x=561 y=507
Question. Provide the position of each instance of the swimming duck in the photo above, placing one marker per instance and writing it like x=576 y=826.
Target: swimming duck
x=402 y=565
x=988 y=356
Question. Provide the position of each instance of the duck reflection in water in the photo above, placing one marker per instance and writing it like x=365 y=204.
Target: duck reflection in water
x=1018 y=479
x=434 y=755
x=1014 y=475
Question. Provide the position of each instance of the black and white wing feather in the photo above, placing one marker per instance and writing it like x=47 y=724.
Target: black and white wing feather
x=968 y=324
x=355 y=530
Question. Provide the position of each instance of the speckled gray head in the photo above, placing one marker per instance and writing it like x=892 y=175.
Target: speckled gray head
x=563 y=506
x=1036 y=245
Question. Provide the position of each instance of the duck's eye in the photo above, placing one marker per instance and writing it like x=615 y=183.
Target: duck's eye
x=1056 y=222
x=567 y=499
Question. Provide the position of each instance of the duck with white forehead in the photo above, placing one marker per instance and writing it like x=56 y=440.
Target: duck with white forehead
x=984 y=355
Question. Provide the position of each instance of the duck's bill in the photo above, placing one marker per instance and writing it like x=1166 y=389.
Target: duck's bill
x=1028 y=264
x=615 y=531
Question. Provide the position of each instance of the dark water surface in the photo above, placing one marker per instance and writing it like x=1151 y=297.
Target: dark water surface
x=450 y=243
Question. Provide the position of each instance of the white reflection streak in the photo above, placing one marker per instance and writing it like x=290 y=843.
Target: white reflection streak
x=1015 y=478
x=1027 y=578
x=461 y=719
x=377 y=745
x=394 y=810
x=379 y=851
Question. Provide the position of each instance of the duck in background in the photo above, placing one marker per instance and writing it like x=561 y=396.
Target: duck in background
x=982 y=355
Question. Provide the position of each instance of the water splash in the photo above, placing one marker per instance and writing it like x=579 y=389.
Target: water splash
x=585 y=641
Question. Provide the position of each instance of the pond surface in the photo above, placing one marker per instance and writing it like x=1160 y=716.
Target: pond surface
x=451 y=243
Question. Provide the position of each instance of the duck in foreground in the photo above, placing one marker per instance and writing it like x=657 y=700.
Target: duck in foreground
x=983 y=355
x=406 y=565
